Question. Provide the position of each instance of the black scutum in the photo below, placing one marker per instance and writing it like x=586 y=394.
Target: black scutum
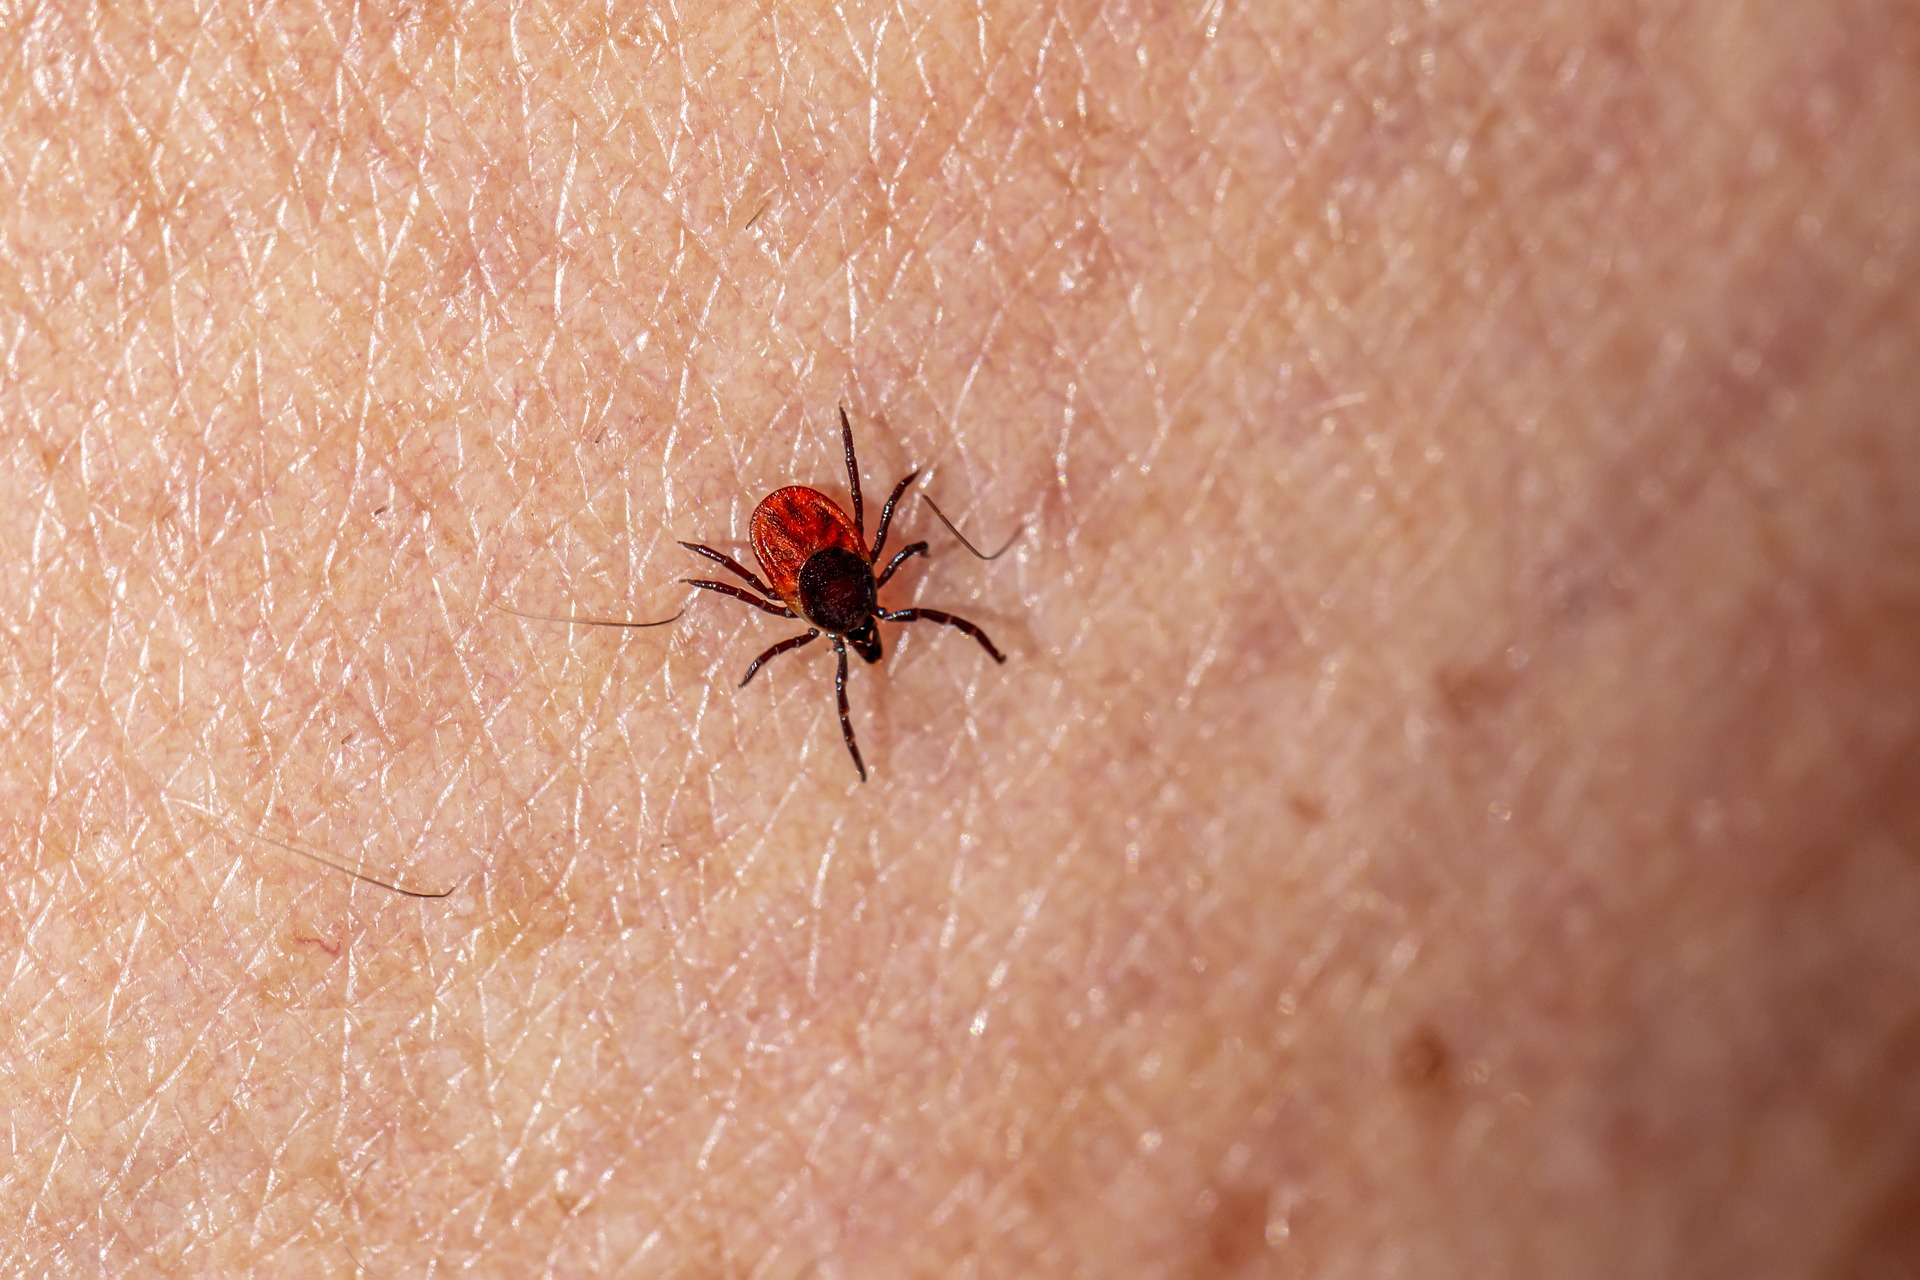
x=836 y=590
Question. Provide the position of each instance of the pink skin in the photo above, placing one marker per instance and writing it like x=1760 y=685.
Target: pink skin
x=1448 y=809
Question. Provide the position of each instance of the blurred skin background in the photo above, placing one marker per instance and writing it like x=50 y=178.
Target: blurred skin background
x=1450 y=806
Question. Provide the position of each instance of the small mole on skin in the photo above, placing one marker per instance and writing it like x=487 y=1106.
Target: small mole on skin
x=1423 y=1061
x=1470 y=692
x=1237 y=1230
x=1307 y=809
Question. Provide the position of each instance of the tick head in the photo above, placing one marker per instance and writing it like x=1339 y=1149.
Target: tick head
x=865 y=640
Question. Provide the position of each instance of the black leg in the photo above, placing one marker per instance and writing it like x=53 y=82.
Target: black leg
x=729 y=563
x=846 y=724
x=945 y=619
x=775 y=652
x=728 y=589
x=911 y=549
x=853 y=483
x=886 y=512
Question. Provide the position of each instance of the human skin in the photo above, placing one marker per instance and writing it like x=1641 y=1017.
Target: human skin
x=1449 y=808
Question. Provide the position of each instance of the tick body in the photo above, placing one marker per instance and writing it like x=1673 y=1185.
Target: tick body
x=820 y=571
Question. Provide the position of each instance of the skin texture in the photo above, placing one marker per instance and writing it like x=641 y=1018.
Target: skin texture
x=1449 y=807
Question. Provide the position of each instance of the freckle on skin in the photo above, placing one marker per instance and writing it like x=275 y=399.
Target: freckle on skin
x=1423 y=1061
x=1468 y=692
x=1307 y=808
x=1236 y=1229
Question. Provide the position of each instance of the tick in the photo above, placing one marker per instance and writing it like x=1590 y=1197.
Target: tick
x=820 y=571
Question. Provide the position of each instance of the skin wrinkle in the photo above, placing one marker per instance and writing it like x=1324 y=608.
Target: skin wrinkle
x=251 y=529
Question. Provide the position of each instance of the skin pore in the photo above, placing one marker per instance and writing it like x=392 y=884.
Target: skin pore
x=1448 y=808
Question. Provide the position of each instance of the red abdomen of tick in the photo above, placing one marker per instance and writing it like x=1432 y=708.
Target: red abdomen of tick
x=791 y=524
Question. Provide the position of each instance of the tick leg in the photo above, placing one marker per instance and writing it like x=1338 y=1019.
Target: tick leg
x=846 y=724
x=728 y=589
x=729 y=563
x=886 y=512
x=911 y=549
x=853 y=482
x=945 y=619
x=775 y=652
